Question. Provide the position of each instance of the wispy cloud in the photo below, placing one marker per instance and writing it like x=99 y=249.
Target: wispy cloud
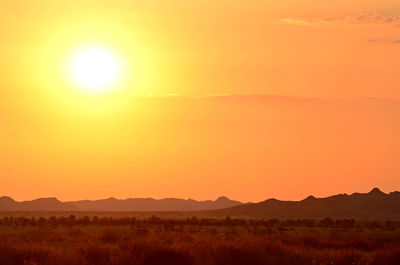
x=375 y=18
x=363 y=18
x=297 y=21
x=384 y=41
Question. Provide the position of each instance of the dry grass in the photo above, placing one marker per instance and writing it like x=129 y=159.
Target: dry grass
x=152 y=241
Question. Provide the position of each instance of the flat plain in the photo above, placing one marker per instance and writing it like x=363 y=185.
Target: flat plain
x=110 y=238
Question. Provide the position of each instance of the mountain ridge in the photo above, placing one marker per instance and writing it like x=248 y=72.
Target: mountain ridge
x=372 y=205
x=113 y=204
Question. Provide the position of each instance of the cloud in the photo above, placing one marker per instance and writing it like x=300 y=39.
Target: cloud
x=296 y=21
x=360 y=19
x=384 y=41
x=375 y=18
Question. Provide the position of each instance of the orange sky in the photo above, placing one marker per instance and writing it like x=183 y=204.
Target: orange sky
x=177 y=125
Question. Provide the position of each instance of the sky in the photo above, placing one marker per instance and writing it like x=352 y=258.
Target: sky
x=249 y=100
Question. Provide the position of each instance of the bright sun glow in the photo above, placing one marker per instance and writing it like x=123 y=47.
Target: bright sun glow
x=95 y=69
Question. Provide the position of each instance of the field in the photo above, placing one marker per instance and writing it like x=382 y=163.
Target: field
x=107 y=239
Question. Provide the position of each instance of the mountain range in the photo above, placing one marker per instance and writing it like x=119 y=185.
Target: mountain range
x=112 y=204
x=372 y=205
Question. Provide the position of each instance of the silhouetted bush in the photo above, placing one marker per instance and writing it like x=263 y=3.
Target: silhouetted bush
x=109 y=237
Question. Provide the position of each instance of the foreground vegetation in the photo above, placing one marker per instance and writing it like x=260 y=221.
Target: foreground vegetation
x=151 y=241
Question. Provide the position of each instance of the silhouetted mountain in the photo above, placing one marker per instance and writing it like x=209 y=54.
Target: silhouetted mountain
x=149 y=204
x=6 y=203
x=373 y=205
x=112 y=204
x=43 y=204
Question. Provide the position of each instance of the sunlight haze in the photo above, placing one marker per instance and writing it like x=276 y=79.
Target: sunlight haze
x=198 y=99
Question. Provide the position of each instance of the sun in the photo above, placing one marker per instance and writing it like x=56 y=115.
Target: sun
x=95 y=69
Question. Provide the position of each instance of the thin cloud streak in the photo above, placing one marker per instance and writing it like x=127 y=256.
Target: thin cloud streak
x=384 y=41
x=360 y=19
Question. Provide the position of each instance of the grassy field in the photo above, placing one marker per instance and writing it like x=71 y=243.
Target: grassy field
x=107 y=239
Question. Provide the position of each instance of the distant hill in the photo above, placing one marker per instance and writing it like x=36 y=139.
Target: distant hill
x=43 y=204
x=112 y=204
x=372 y=205
x=153 y=205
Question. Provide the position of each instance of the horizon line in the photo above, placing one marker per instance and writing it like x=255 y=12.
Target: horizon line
x=188 y=199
